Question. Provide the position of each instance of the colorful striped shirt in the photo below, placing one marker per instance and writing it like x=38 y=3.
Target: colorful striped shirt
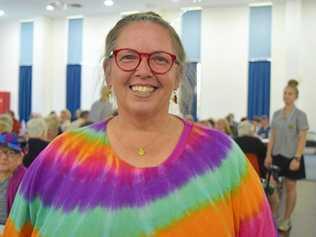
x=78 y=187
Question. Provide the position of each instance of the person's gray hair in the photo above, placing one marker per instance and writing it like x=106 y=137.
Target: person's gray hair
x=114 y=33
x=36 y=127
x=6 y=123
x=245 y=128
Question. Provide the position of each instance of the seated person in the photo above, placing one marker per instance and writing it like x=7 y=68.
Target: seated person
x=16 y=125
x=6 y=123
x=251 y=146
x=264 y=128
x=64 y=120
x=82 y=121
x=11 y=172
x=37 y=139
x=223 y=126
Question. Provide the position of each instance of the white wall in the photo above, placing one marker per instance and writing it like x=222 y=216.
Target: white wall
x=294 y=53
x=307 y=64
x=41 y=80
x=95 y=30
x=57 y=88
x=9 y=59
x=224 y=62
x=278 y=55
x=49 y=65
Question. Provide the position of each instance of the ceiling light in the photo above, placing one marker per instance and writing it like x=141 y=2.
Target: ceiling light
x=260 y=4
x=50 y=7
x=2 y=13
x=108 y=3
x=186 y=9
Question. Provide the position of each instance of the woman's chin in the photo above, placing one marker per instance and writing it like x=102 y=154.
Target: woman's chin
x=144 y=109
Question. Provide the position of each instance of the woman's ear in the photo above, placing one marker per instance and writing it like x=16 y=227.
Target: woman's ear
x=107 y=71
x=179 y=78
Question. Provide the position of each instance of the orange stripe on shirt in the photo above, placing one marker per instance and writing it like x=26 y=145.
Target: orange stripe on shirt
x=26 y=231
x=222 y=215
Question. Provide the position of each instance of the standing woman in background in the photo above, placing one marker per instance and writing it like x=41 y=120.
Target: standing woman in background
x=102 y=108
x=286 y=146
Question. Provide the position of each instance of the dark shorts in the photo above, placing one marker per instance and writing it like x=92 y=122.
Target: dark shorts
x=284 y=165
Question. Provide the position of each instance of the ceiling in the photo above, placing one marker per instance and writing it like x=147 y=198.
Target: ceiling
x=25 y=9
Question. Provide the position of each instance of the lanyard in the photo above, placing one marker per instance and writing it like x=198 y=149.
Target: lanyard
x=287 y=124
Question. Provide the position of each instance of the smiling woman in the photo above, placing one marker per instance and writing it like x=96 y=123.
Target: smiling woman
x=142 y=172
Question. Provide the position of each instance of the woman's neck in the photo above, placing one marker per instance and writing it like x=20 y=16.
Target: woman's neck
x=143 y=122
x=288 y=107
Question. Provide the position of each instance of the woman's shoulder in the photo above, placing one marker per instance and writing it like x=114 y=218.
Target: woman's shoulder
x=209 y=134
x=218 y=154
x=75 y=143
x=215 y=145
x=277 y=112
x=92 y=131
x=300 y=112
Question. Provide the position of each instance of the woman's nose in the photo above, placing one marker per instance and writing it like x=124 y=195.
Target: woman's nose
x=143 y=66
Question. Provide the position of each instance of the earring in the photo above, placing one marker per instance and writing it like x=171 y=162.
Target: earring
x=175 y=97
x=109 y=91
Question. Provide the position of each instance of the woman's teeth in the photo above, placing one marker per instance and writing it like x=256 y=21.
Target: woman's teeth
x=143 y=89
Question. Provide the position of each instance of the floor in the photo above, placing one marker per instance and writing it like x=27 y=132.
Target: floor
x=304 y=216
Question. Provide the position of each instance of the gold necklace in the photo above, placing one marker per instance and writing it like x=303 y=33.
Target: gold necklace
x=141 y=151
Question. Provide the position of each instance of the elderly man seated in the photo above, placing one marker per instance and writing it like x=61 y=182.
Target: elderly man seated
x=37 y=139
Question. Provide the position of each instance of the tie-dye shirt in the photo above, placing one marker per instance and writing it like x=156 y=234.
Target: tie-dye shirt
x=78 y=187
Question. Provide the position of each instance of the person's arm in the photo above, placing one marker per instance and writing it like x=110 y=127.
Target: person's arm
x=14 y=183
x=271 y=142
x=268 y=160
x=302 y=125
x=300 y=144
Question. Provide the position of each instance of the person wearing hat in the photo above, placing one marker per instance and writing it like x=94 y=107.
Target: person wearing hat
x=11 y=172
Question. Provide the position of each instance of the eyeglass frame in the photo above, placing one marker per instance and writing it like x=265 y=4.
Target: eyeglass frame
x=141 y=55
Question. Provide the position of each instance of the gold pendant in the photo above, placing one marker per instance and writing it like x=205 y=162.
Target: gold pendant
x=141 y=151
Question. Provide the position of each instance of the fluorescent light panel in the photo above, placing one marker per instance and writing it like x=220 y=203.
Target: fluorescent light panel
x=260 y=4
x=108 y=3
x=2 y=12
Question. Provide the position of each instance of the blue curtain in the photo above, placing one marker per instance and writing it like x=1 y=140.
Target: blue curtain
x=259 y=88
x=25 y=92
x=191 y=34
x=73 y=87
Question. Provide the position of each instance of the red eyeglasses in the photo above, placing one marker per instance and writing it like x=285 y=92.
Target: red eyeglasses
x=159 y=62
